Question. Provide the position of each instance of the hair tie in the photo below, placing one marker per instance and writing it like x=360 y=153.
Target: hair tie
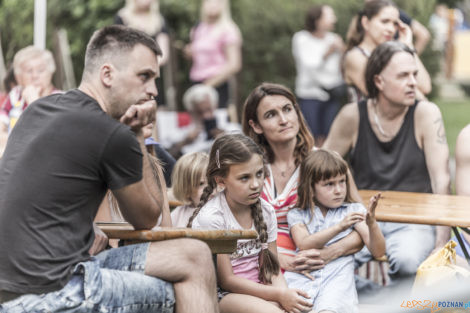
x=217 y=159
x=264 y=245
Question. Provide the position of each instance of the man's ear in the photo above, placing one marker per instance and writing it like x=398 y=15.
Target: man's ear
x=255 y=126
x=379 y=82
x=107 y=74
x=220 y=181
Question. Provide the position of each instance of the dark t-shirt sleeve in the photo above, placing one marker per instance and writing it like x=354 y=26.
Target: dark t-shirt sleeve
x=122 y=159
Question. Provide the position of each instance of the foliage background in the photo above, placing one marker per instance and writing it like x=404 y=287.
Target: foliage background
x=266 y=25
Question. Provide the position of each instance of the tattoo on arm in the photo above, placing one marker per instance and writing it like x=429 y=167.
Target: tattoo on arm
x=441 y=132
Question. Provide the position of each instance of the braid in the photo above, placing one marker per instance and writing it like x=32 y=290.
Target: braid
x=268 y=263
x=206 y=193
x=260 y=225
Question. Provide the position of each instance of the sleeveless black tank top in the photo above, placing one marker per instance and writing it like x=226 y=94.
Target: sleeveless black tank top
x=398 y=164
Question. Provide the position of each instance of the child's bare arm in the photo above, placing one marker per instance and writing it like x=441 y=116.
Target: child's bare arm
x=303 y=240
x=370 y=230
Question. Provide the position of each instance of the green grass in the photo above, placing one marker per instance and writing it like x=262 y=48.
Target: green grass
x=456 y=114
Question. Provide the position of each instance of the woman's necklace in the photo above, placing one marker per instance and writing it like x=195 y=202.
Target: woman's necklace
x=286 y=171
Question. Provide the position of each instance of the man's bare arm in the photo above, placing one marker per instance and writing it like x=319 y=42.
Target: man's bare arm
x=139 y=203
x=462 y=158
x=462 y=168
x=436 y=151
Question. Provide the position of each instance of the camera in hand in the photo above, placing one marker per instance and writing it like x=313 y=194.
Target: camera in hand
x=209 y=125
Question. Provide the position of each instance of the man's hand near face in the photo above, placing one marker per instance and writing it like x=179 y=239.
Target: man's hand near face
x=139 y=115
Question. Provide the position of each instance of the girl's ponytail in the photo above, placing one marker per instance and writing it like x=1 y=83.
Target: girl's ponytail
x=356 y=35
x=268 y=263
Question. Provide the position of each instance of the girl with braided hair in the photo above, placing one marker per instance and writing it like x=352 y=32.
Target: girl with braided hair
x=249 y=279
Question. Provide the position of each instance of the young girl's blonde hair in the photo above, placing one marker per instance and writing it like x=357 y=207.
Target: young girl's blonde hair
x=187 y=174
x=319 y=165
x=227 y=150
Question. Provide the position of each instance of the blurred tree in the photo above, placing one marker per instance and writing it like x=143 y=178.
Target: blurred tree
x=267 y=27
x=16 y=25
x=450 y=3
x=79 y=17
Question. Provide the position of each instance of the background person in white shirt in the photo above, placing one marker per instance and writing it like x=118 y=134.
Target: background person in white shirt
x=317 y=54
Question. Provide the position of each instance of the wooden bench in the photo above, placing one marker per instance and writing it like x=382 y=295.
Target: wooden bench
x=423 y=208
x=219 y=241
x=417 y=208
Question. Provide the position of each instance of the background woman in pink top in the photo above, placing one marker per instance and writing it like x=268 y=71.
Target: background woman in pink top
x=215 y=48
x=272 y=118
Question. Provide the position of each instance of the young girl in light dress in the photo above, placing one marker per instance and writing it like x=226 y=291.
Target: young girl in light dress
x=249 y=279
x=324 y=214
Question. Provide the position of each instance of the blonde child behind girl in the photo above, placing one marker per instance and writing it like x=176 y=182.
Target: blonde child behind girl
x=189 y=180
x=324 y=215
x=250 y=278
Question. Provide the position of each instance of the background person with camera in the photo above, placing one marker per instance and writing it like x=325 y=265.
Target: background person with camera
x=207 y=121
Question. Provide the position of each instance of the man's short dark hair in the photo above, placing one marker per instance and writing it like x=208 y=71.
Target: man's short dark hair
x=112 y=41
x=379 y=59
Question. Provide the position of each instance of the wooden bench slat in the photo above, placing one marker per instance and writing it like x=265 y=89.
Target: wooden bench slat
x=220 y=241
x=420 y=208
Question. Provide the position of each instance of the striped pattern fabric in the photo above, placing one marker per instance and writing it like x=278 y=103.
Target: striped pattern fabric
x=282 y=203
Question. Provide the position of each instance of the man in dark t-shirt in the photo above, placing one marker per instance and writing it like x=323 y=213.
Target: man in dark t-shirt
x=396 y=143
x=64 y=153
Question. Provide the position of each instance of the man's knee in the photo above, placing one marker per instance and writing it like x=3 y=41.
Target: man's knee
x=197 y=252
x=404 y=265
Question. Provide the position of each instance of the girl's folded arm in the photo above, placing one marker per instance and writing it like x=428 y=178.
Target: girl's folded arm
x=372 y=237
x=304 y=241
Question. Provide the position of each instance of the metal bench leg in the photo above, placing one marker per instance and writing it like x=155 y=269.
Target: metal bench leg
x=461 y=243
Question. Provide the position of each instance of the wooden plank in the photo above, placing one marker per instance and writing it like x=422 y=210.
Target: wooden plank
x=421 y=208
x=174 y=203
x=220 y=241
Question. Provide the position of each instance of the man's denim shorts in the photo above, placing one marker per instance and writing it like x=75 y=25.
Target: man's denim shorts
x=113 y=281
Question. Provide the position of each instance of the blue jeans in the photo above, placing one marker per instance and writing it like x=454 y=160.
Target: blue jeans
x=458 y=248
x=408 y=245
x=319 y=115
x=113 y=281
